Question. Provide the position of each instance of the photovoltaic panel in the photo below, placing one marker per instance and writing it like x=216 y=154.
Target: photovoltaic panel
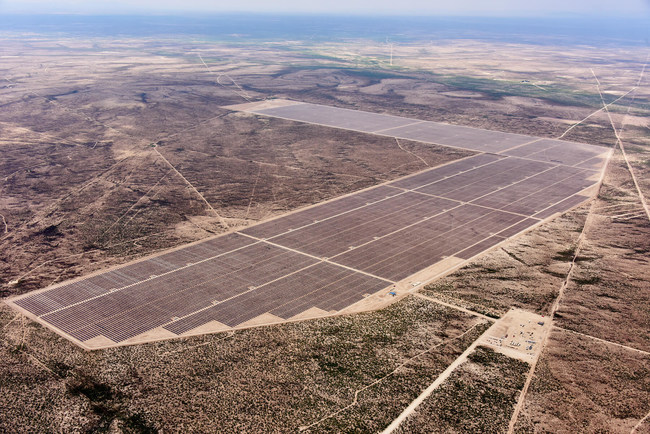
x=406 y=128
x=486 y=179
x=77 y=291
x=337 y=117
x=282 y=296
x=401 y=254
x=180 y=293
x=558 y=151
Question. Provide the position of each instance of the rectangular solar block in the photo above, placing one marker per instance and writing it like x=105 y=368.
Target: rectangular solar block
x=339 y=234
x=479 y=247
x=401 y=254
x=337 y=117
x=459 y=136
x=521 y=226
x=557 y=151
x=286 y=297
x=562 y=206
x=484 y=180
x=156 y=301
x=539 y=192
x=592 y=164
x=451 y=169
x=394 y=126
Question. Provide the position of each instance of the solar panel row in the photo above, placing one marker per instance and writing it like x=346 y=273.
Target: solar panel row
x=323 y=285
x=538 y=192
x=479 y=182
x=403 y=253
x=561 y=206
x=558 y=151
x=413 y=129
x=339 y=234
x=317 y=213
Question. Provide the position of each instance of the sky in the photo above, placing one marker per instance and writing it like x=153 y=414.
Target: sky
x=539 y=8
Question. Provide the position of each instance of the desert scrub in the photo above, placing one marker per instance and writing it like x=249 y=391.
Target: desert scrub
x=378 y=405
x=479 y=396
x=266 y=379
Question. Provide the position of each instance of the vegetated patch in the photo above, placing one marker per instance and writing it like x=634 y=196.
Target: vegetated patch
x=54 y=97
x=583 y=385
x=380 y=404
x=42 y=393
x=369 y=73
x=552 y=93
x=263 y=379
x=33 y=399
x=479 y=396
x=589 y=280
x=526 y=272
x=566 y=254
x=88 y=387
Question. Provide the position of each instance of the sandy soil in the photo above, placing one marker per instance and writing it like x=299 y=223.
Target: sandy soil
x=256 y=380
x=478 y=397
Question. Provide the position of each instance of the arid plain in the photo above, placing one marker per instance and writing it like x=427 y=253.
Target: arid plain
x=113 y=149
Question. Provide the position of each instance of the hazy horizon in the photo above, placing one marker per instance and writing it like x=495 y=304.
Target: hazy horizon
x=258 y=26
x=498 y=8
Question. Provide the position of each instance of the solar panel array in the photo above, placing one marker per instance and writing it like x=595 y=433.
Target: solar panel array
x=516 y=145
x=331 y=255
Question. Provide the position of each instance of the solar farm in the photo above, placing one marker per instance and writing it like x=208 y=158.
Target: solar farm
x=329 y=258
